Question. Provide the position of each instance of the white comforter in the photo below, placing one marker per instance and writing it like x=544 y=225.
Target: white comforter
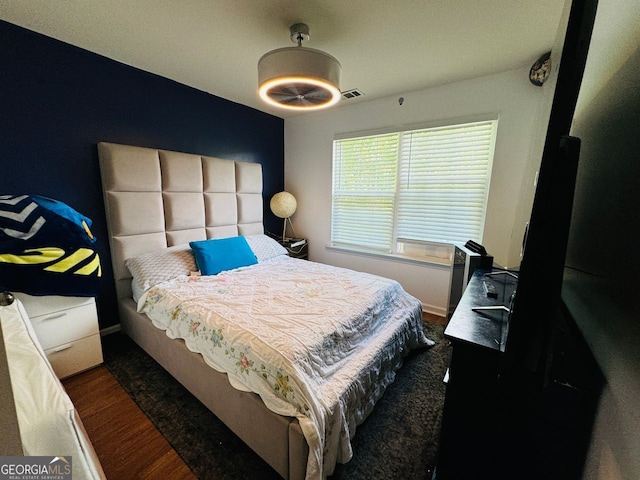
x=316 y=342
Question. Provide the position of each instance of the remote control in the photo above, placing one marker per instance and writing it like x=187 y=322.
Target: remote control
x=489 y=289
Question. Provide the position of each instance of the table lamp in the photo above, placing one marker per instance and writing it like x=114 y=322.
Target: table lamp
x=283 y=205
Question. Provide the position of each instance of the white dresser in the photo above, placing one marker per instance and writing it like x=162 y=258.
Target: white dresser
x=67 y=328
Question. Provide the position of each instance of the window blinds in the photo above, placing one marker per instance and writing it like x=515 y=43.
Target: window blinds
x=364 y=190
x=427 y=184
x=444 y=182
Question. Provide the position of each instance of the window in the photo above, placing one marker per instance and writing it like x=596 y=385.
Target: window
x=428 y=185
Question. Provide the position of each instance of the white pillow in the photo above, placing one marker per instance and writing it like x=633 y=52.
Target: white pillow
x=152 y=268
x=265 y=247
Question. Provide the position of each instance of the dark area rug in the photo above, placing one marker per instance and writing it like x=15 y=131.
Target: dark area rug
x=398 y=440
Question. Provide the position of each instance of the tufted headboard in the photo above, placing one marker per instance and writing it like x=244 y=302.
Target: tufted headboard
x=156 y=199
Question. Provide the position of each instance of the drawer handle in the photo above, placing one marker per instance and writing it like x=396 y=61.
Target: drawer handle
x=54 y=316
x=62 y=348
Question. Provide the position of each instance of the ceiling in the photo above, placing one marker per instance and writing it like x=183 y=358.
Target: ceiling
x=386 y=47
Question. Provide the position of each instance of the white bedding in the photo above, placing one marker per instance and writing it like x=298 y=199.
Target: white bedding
x=48 y=422
x=316 y=342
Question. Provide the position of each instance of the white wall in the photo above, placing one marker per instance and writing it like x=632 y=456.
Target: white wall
x=308 y=168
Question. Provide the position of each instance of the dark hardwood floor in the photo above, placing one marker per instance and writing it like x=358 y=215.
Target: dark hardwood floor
x=432 y=318
x=126 y=442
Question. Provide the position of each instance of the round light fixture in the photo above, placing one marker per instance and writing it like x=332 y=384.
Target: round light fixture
x=299 y=78
x=283 y=204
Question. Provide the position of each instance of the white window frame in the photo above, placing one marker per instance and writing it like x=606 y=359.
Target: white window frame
x=402 y=240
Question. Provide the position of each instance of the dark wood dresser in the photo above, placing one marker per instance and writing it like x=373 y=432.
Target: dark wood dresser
x=527 y=430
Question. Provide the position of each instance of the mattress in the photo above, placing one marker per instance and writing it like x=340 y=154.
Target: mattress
x=316 y=342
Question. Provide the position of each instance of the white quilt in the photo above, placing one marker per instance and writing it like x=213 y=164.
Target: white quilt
x=316 y=342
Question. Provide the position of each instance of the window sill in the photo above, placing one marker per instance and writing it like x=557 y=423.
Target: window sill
x=422 y=260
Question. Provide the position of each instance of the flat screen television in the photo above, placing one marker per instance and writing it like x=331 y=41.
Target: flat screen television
x=537 y=295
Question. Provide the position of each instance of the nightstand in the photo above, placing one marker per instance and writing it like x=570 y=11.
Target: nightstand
x=296 y=247
x=67 y=329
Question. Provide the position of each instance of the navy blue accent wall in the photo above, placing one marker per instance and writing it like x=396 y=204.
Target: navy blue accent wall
x=58 y=101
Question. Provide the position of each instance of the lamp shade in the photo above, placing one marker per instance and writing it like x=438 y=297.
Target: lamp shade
x=283 y=204
x=299 y=78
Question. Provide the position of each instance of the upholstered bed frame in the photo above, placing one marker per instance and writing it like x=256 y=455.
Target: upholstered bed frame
x=155 y=199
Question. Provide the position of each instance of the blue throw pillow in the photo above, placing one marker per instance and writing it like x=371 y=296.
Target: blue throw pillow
x=219 y=254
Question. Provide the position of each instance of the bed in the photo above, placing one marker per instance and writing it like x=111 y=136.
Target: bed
x=225 y=336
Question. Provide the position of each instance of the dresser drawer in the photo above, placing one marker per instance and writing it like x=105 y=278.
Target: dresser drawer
x=75 y=356
x=67 y=329
x=63 y=326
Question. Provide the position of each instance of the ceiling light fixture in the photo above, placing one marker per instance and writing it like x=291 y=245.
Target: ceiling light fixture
x=299 y=78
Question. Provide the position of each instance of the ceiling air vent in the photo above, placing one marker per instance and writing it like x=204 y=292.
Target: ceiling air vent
x=354 y=93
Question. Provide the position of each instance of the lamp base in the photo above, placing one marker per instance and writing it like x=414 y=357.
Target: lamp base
x=284 y=229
